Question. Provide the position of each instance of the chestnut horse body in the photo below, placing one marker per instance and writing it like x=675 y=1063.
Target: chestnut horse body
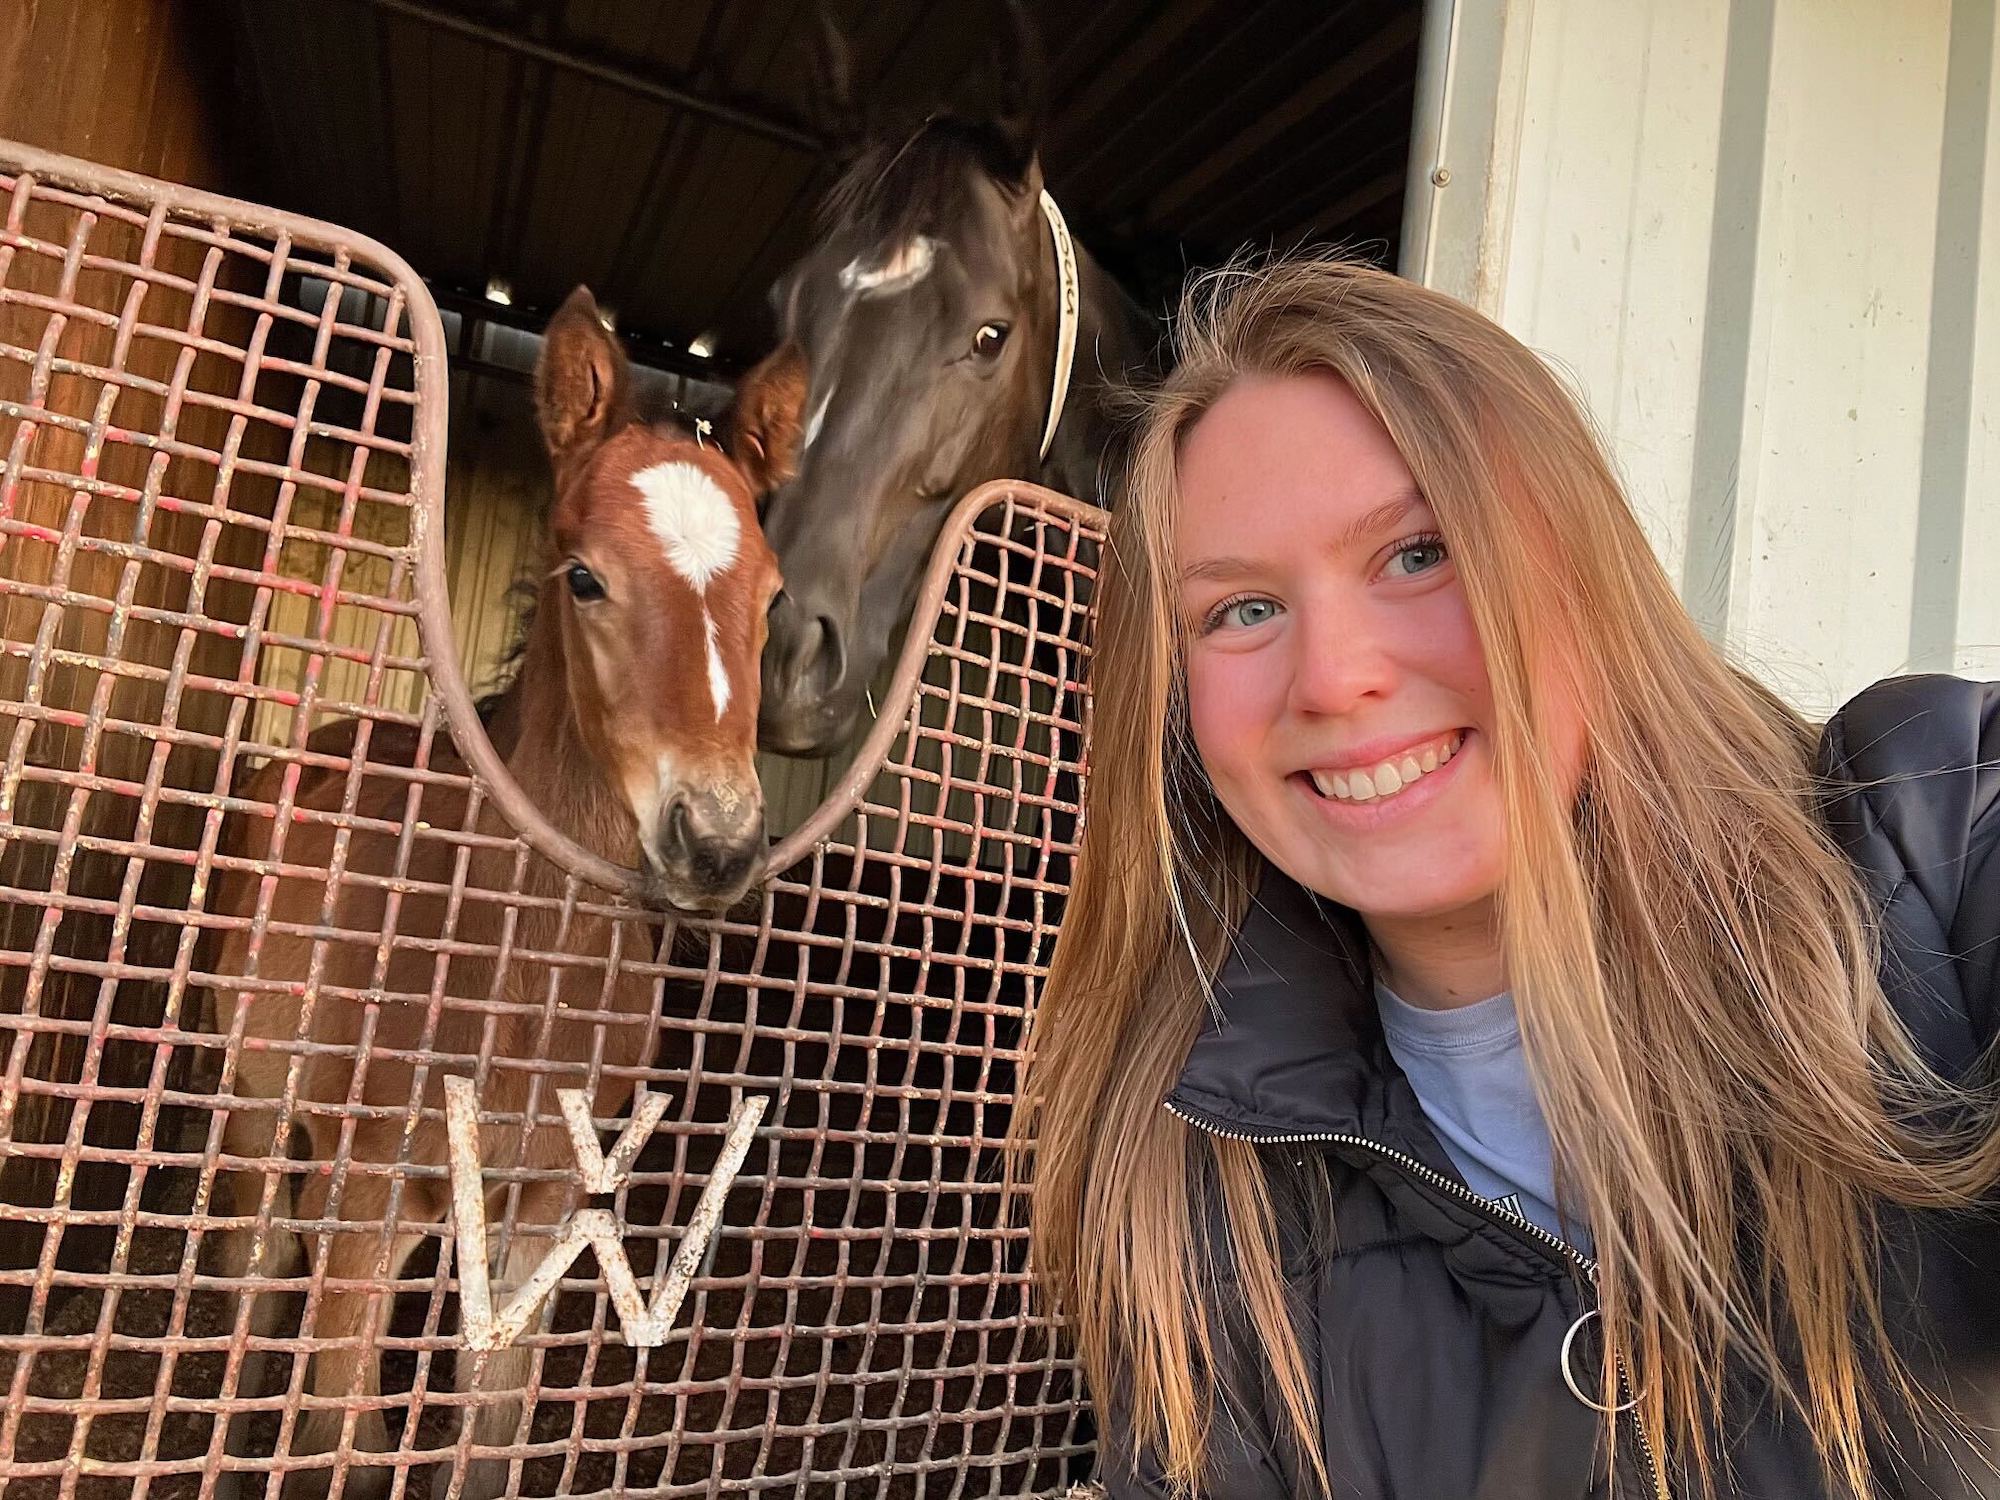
x=631 y=724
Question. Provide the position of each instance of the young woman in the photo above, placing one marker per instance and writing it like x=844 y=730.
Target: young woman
x=1495 y=1047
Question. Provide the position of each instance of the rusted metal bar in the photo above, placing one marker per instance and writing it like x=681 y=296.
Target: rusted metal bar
x=228 y=675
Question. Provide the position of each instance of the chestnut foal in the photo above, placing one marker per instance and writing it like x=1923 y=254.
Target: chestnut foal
x=632 y=725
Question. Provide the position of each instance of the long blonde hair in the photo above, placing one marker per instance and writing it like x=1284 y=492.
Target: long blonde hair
x=1693 y=960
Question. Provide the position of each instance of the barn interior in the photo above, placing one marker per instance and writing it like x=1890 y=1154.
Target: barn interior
x=671 y=155
x=666 y=153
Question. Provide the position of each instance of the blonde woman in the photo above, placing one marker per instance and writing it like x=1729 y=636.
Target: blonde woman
x=1495 y=1047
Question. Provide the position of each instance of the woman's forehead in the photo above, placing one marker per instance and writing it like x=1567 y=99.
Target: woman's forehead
x=1293 y=455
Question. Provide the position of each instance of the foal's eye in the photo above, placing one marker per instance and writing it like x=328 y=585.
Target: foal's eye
x=990 y=340
x=584 y=586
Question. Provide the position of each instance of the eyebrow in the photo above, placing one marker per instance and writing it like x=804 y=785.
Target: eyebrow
x=1388 y=514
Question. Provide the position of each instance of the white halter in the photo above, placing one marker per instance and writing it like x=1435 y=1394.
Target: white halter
x=1068 y=305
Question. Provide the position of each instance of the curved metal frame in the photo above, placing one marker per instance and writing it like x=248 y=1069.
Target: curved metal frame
x=432 y=412
x=962 y=1012
x=873 y=755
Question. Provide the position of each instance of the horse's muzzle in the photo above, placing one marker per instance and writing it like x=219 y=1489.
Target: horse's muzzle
x=707 y=847
x=807 y=707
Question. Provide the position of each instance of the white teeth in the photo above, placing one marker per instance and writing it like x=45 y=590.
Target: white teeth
x=1390 y=777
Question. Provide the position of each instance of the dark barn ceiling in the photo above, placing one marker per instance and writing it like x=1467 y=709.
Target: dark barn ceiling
x=665 y=151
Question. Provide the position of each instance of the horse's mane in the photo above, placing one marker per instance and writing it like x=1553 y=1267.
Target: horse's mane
x=898 y=188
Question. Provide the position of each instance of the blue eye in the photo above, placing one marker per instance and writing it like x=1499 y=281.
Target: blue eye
x=1242 y=613
x=1419 y=556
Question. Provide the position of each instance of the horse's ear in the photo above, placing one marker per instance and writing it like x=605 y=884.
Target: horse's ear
x=1022 y=74
x=836 y=110
x=762 y=429
x=582 y=378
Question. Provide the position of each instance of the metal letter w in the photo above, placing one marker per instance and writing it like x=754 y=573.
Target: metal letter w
x=644 y=1325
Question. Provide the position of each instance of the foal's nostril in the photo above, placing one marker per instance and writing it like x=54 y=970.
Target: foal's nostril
x=680 y=833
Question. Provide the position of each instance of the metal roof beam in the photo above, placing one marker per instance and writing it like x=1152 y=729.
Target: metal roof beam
x=616 y=72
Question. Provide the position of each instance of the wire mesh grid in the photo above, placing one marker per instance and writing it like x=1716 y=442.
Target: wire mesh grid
x=302 y=998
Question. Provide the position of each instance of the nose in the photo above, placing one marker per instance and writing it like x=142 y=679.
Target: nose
x=707 y=845
x=805 y=648
x=1340 y=659
x=804 y=669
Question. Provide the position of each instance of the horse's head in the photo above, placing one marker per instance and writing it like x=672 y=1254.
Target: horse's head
x=663 y=583
x=926 y=318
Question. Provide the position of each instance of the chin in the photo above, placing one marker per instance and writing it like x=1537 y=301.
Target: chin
x=1390 y=891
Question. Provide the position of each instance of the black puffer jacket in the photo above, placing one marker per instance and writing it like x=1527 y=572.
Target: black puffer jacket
x=1434 y=1325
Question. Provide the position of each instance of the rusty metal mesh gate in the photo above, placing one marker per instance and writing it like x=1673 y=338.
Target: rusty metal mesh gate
x=221 y=586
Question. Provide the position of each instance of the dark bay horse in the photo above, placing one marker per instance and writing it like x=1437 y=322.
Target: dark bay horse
x=632 y=725
x=931 y=322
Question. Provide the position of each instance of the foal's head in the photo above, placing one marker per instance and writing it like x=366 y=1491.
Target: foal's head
x=662 y=584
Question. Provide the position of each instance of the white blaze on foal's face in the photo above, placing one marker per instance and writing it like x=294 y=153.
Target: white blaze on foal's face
x=701 y=535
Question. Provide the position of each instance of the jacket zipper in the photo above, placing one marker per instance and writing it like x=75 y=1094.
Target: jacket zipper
x=1460 y=1193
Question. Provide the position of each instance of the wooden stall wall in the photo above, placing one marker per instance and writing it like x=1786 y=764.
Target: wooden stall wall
x=128 y=83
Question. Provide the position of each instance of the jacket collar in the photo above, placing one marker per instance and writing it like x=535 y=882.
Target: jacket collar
x=1293 y=1045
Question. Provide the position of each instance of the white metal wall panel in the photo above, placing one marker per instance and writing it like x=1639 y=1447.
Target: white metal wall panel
x=1763 y=238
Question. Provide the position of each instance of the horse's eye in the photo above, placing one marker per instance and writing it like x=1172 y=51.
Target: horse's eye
x=990 y=340
x=584 y=586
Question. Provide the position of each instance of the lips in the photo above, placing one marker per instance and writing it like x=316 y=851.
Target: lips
x=1391 y=777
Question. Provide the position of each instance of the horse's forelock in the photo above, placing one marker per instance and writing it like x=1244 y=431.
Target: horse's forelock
x=898 y=189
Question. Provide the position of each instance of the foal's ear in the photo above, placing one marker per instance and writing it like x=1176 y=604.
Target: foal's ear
x=762 y=429
x=1021 y=71
x=582 y=378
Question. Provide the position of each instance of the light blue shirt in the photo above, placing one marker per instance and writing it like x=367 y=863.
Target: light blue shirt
x=1471 y=1076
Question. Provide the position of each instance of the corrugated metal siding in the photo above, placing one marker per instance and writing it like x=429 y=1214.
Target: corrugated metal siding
x=1764 y=240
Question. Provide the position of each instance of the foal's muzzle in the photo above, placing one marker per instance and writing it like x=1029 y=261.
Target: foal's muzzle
x=707 y=846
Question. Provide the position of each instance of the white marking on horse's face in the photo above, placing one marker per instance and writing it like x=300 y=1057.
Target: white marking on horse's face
x=696 y=525
x=718 y=675
x=818 y=416
x=908 y=264
x=699 y=531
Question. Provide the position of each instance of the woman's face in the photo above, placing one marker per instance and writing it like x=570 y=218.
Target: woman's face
x=1336 y=686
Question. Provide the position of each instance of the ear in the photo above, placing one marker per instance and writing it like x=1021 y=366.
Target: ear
x=761 y=431
x=1022 y=73
x=581 y=380
x=836 y=111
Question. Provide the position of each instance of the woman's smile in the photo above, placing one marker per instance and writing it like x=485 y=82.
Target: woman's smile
x=1362 y=796
x=1366 y=778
